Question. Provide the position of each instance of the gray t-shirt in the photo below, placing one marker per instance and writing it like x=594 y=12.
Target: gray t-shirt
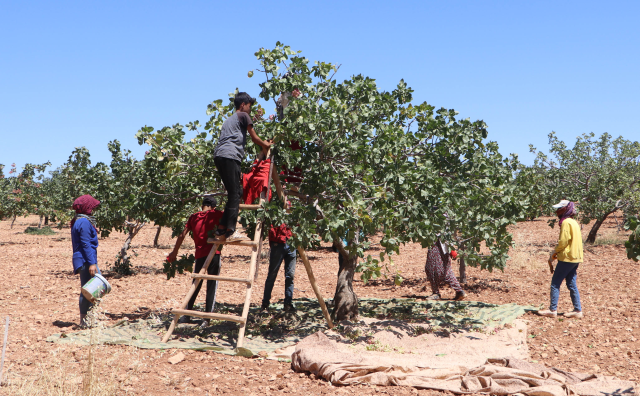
x=233 y=137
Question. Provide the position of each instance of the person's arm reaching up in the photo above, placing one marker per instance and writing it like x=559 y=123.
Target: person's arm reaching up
x=265 y=144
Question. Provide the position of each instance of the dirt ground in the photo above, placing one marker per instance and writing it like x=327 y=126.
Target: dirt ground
x=40 y=295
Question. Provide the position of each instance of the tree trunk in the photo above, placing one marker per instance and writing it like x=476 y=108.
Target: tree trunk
x=463 y=271
x=124 y=250
x=345 y=301
x=13 y=221
x=46 y=220
x=463 y=266
x=40 y=223
x=155 y=240
x=596 y=227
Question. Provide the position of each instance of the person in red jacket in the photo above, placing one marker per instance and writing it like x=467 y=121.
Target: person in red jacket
x=280 y=251
x=199 y=224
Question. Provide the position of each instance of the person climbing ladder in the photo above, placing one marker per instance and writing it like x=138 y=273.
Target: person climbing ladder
x=228 y=155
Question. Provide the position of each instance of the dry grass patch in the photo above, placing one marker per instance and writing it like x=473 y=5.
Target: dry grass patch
x=528 y=254
x=92 y=373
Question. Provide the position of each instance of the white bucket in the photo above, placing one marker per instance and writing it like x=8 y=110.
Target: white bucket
x=97 y=287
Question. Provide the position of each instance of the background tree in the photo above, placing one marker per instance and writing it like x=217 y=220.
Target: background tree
x=602 y=175
x=22 y=193
x=633 y=244
x=537 y=188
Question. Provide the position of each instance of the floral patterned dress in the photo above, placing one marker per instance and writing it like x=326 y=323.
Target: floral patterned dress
x=439 y=273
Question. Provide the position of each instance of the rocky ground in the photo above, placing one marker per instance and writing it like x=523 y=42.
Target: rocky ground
x=39 y=294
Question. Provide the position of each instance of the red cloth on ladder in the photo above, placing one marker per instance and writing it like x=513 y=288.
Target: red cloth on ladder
x=256 y=181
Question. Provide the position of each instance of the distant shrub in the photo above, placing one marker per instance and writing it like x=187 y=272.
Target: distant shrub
x=39 y=231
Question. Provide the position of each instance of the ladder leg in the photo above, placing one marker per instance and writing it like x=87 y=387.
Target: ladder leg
x=194 y=285
x=257 y=237
x=255 y=251
x=247 y=299
x=174 y=323
x=314 y=285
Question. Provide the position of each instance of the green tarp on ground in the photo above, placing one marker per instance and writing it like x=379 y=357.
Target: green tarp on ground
x=267 y=333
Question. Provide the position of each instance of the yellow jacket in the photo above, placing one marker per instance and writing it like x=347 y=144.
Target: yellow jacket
x=569 y=247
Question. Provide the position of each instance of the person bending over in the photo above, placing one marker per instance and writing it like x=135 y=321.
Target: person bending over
x=199 y=224
x=228 y=155
x=439 y=272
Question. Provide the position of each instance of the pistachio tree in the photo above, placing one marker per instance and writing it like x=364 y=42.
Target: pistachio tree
x=117 y=186
x=21 y=193
x=633 y=244
x=374 y=162
x=602 y=175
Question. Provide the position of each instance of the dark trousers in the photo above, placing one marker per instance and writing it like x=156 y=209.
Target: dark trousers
x=212 y=286
x=231 y=176
x=280 y=252
x=85 y=277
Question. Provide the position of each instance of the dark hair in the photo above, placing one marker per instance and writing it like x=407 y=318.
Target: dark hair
x=209 y=201
x=242 y=97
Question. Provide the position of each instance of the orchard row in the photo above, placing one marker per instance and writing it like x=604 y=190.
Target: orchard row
x=373 y=162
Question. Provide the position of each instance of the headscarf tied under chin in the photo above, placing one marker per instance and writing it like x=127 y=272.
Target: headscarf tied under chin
x=569 y=212
x=84 y=206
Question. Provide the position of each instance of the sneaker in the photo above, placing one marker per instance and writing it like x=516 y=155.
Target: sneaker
x=574 y=314
x=434 y=297
x=460 y=296
x=184 y=319
x=289 y=308
x=548 y=313
x=236 y=237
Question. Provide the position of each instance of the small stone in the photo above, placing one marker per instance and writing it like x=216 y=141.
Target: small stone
x=177 y=358
x=38 y=317
x=544 y=355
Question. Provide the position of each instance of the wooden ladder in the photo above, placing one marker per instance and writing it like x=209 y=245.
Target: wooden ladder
x=255 y=245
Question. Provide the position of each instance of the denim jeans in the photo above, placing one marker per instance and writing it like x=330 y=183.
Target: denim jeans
x=85 y=277
x=569 y=273
x=212 y=286
x=280 y=252
x=231 y=175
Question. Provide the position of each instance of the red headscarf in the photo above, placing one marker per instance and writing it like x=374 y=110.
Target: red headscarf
x=84 y=205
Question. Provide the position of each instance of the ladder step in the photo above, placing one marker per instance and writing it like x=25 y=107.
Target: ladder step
x=249 y=207
x=221 y=278
x=235 y=243
x=210 y=315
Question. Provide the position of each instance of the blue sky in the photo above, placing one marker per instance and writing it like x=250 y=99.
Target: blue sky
x=84 y=73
